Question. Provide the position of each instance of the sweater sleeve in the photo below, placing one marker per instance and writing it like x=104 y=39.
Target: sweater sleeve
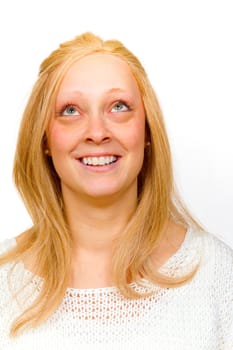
x=228 y=307
x=223 y=285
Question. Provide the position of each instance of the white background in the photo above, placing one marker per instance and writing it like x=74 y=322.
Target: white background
x=186 y=48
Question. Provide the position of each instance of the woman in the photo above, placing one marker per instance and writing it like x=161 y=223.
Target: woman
x=113 y=258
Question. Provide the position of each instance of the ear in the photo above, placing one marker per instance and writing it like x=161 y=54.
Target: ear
x=45 y=146
x=147 y=136
x=47 y=152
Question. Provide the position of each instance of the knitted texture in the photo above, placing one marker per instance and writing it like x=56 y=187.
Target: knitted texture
x=197 y=315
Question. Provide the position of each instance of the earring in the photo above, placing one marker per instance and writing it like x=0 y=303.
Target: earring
x=46 y=151
x=147 y=144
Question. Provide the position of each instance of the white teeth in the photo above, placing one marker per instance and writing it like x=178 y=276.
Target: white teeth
x=99 y=160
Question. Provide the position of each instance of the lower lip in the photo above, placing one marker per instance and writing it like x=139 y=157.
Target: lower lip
x=100 y=168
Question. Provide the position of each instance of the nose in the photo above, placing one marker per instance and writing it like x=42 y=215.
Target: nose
x=97 y=131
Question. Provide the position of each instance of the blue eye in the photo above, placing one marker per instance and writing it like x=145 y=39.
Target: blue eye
x=120 y=107
x=70 y=111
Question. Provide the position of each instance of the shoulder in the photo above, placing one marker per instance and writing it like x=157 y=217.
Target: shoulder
x=217 y=266
x=218 y=262
x=213 y=256
x=216 y=249
x=7 y=244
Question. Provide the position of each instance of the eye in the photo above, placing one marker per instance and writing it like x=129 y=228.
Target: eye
x=69 y=110
x=120 y=107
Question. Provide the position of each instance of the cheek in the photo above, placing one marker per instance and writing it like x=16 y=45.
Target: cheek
x=137 y=136
x=58 y=139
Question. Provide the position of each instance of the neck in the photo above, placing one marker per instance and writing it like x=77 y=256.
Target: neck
x=96 y=223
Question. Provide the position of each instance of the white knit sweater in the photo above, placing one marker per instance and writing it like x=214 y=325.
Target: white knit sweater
x=198 y=315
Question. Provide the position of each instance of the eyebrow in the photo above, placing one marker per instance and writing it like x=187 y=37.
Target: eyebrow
x=81 y=95
x=113 y=90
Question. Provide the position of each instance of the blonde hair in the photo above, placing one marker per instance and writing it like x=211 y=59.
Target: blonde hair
x=49 y=239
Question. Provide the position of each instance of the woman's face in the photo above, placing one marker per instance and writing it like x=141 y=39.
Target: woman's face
x=96 y=137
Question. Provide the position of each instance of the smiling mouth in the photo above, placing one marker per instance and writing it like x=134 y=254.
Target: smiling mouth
x=99 y=161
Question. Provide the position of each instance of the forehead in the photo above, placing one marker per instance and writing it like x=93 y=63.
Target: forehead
x=99 y=71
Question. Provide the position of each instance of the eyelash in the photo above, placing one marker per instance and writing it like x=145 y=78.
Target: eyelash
x=72 y=105
x=66 y=106
x=124 y=103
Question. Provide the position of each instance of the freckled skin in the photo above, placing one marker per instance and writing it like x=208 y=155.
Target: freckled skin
x=96 y=126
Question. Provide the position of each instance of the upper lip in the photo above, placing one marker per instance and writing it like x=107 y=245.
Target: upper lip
x=92 y=155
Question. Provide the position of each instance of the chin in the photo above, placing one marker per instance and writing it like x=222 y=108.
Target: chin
x=102 y=194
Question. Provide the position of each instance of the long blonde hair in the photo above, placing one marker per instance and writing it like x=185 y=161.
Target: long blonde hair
x=49 y=239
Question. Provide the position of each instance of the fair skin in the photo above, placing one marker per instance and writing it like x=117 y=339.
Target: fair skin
x=100 y=119
x=96 y=140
